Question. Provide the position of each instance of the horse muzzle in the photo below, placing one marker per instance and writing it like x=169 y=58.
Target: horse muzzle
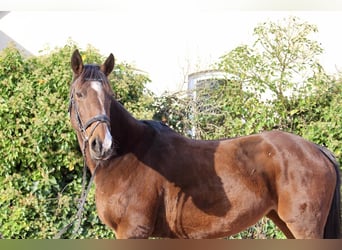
x=101 y=144
x=101 y=149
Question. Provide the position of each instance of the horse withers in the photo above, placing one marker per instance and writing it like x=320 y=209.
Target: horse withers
x=152 y=182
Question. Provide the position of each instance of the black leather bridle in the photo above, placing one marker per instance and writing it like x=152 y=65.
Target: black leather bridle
x=84 y=126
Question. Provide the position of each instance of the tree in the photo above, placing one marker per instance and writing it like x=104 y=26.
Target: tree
x=281 y=65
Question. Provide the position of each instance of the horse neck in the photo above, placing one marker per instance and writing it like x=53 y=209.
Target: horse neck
x=125 y=129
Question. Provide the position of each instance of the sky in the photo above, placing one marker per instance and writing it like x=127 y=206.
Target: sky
x=165 y=39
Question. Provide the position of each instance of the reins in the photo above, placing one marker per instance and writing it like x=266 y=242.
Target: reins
x=83 y=198
x=85 y=189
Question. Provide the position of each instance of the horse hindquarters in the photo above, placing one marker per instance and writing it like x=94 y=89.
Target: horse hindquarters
x=306 y=192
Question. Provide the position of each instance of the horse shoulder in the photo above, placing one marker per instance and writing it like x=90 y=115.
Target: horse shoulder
x=125 y=188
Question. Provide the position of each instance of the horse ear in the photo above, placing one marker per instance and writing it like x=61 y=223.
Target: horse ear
x=108 y=65
x=76 y=63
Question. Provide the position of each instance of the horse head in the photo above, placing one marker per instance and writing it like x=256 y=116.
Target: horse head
x=90 y=100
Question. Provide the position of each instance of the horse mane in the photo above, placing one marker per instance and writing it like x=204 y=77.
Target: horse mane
x=157 y=126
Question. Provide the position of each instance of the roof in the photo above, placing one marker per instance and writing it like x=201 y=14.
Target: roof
x=6 y=40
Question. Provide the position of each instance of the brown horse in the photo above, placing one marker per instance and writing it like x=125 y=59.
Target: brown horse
x=152 y=182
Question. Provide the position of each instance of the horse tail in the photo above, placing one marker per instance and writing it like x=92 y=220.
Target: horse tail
x=332 y=229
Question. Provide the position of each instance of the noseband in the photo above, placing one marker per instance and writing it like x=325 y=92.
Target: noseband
x=84 y=126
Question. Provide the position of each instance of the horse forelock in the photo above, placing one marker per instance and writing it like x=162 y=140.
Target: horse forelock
x=92 y=72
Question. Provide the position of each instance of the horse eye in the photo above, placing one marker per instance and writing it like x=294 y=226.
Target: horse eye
x=79 y=94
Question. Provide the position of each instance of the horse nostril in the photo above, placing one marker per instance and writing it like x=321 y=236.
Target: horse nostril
x=96 y=146
x=99 y=149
